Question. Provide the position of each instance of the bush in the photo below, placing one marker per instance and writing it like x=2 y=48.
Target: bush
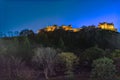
x=14 y=69
x=103 y=69
x=117 y=64
x=92 y=53
x=69 y=59
x=115 y=54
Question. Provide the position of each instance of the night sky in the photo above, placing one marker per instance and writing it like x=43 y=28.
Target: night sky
x=16 y=15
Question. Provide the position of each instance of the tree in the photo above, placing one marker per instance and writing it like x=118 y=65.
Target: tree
x=46 y=58
x=55 y=25
x=10 y=33
x=115 y=54
x=69 y=59
x=92 y=53
x=9 y=47
x=12 y=68
x=25 y=49
x=26 y=32
x=103 y=69
x=16 y=33
x=43 y=39
x=61 y=43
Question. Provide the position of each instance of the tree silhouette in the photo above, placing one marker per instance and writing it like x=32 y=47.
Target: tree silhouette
x=16 y=33
x=61 y=43
x=26 y=32
x=10 y=34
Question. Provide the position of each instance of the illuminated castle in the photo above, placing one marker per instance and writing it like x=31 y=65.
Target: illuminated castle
x=107 y=26
x=50 y=28
x=66 y=28
x=69 y=28
x=104 y=25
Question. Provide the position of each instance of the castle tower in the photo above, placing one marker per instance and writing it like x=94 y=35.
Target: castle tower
x=107 y=26
x=50 y=28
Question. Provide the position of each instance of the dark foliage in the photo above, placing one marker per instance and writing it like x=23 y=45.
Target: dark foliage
x=87 y=37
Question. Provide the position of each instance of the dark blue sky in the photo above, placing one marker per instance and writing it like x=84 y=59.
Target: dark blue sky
x=36 y=14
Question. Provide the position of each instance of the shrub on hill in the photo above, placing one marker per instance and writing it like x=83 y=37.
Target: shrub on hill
x=103 y=69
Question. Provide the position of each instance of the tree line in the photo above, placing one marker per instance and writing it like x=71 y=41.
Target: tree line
x=32 y=56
